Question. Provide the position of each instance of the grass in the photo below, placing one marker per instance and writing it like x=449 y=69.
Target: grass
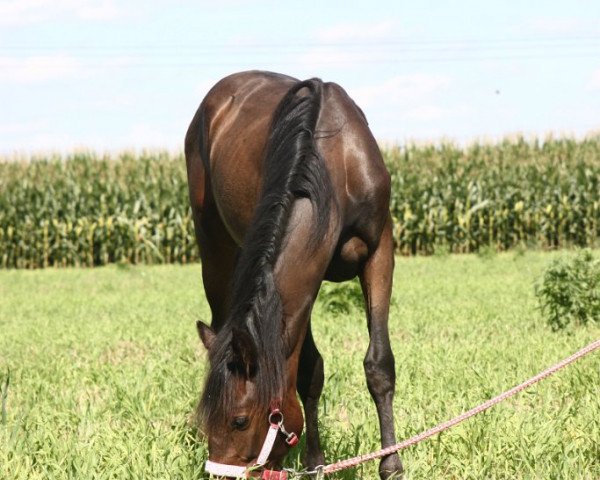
x=105 y=370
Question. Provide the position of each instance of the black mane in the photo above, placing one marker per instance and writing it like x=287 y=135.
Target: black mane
x=292 y=169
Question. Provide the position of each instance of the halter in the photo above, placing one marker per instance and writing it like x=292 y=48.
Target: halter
x=275 y=426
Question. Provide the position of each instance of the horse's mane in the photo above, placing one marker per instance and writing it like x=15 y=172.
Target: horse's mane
x=292 y=169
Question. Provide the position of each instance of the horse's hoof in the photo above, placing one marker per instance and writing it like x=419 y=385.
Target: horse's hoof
x=391 y=468
x=314 y=460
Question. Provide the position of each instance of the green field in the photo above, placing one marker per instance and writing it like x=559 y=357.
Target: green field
x=105 y=370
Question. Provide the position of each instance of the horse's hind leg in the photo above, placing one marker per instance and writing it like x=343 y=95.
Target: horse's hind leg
x=218 y=253
x=310 y=385
x=218 y=250
x=376 y=282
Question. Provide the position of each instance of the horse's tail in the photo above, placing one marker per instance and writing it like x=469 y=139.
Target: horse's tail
x=292 y=169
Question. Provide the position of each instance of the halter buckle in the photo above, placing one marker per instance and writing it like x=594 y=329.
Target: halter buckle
x=292 y=439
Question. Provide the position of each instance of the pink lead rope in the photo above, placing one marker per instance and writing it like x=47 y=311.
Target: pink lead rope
x=353 y=462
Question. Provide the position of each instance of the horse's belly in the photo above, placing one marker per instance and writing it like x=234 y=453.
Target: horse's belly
x=347 y=260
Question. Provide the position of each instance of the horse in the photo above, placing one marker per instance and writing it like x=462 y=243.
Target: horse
x=287 y=188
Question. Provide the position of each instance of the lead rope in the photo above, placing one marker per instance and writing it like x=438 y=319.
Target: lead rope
x=384 y=452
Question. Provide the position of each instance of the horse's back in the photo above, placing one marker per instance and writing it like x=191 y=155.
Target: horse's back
x=229 y=133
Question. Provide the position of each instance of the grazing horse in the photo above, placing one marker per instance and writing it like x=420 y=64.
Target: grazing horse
x=288 y=188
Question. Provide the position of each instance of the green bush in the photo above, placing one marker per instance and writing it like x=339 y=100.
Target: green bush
x=569 y=291
x=341 y=298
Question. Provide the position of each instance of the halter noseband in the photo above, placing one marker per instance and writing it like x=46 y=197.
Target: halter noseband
x=275 y=426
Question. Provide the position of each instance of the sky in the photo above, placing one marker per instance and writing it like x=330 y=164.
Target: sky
x=109 y=75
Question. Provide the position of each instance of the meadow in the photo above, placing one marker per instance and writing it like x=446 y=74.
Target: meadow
x=106 y=368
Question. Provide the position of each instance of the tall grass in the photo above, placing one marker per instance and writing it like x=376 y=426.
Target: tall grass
x=86 y=209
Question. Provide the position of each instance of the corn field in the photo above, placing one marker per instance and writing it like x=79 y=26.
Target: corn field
x=85 y=209
x=541 y=194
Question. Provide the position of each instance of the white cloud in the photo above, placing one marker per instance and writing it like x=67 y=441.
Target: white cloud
x=426 y=113
x=152 y=136
x=53 y=141
x=38 y=136
x=112 y=101
x=594 y=82
x=15 y=128
x=400 y=90
x=338 y=57
x=97 y=10
x=357 y=31
x=562 y=25
x=410 y=106
x=434 y=113
x=353 y=44
x=58 y=66
x=44 y=136
x=39 y=68
x=23 y=12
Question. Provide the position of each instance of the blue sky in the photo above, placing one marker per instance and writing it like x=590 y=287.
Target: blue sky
x=110 y=75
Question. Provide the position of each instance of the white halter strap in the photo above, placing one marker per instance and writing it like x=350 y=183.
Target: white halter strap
x=224 y=470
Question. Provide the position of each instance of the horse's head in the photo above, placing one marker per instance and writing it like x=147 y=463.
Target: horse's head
x=245 y=397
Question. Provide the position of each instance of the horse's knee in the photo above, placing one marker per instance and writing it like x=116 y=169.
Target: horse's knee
x=380 y=370
x=311 y=376
x=310 y=372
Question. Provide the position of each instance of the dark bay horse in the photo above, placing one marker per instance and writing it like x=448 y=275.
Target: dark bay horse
x=288 y=188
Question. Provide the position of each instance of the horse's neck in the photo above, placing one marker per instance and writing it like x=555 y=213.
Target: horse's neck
x=299 y=270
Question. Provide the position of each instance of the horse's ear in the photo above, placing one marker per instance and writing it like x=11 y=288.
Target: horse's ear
x=207 y=335
x=244 y=354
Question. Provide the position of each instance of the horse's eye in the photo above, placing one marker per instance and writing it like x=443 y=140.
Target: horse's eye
x=240 y=423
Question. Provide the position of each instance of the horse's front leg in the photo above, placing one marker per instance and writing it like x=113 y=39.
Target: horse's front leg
x=310 y=385
x=376 y=282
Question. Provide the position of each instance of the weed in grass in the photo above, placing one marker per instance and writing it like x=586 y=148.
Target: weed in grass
x=569 y=291
x=441 y=251
x=519 y=251
x=341 y=298
x=487 y=252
